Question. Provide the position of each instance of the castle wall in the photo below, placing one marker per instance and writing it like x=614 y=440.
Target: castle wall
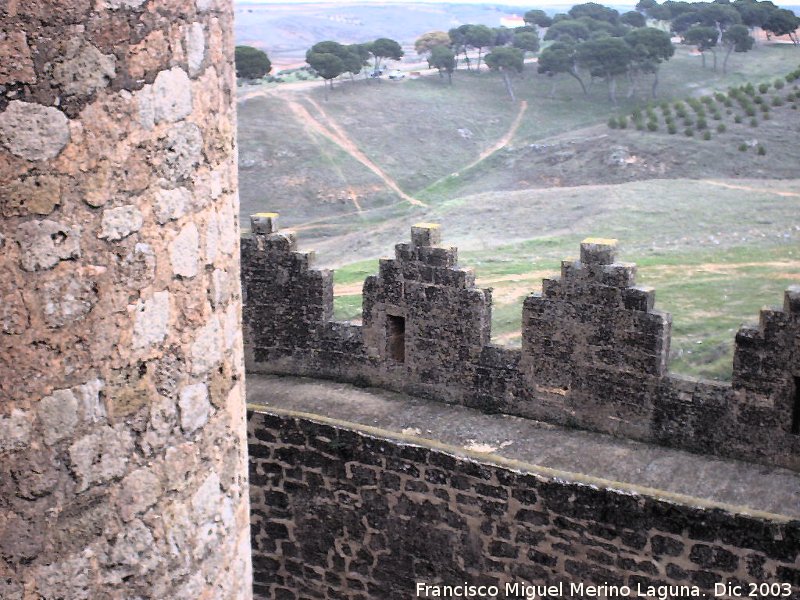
x=122 y=430
x=594 y=349
x=342 y=513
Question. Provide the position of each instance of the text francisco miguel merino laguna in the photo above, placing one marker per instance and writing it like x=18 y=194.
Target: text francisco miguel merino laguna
x=559 y=590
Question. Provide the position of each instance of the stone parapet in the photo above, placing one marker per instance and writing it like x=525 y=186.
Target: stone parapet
x=594 y=348
x=355 y=512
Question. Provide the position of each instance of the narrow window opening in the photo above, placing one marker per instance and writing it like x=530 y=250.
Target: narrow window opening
x=396 y=334
x=796 y=415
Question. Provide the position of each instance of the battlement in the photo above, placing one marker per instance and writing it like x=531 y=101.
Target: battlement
x=594 y=349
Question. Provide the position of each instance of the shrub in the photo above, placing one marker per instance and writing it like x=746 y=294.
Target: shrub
x=721 y=128
x=763 y=88
x=652 y=125
x=737 y=118
x=702 y=124
x=765 y=116
x=669 y=120
x=765 y=108
x=706 y=135
x=761 y=150
x=672 y=129
x=623 y=122
x=750 y=111
x=749 y=89
x=665 y=106
x=688 y=122
x=639 y=126
x=778 y=84
x=688 y=132
x=776 y=101
x=753 y=122
x=758 y=100
x=717 y=116
x=707 y=100
x=612 y=123
x=636 y=115
x=742 y=147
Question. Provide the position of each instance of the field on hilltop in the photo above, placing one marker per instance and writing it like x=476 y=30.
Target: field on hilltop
x=516 y=186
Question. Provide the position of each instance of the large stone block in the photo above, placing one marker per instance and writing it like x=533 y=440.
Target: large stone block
x=32 y=131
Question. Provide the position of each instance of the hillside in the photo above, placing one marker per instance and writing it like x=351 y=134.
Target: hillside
x=423 y=133
x=714 y=228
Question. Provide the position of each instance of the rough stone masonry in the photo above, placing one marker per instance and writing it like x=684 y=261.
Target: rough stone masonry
x=122 y=437
x=594 y=348
x=351 y=510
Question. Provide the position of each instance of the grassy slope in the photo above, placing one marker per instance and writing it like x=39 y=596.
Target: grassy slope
x=715 y=255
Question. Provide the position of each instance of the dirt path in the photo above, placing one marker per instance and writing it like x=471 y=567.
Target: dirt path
x=504 y=338
x=335 y=134
x=752 y=189
x=503 y=141
x=723 y=268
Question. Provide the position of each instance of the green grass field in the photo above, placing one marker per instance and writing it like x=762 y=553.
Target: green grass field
x=715 y=255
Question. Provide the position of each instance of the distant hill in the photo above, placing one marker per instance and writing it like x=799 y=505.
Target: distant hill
x=286 y=31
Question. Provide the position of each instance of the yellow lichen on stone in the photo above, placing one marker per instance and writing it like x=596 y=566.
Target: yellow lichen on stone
x=600 y=241
x=427 y=225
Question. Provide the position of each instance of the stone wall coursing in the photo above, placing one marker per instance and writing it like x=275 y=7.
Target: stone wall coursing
x=122 y=428
x=338 y=513
x=594 y=350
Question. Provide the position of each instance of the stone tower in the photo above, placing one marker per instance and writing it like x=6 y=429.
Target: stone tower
x=122 y=448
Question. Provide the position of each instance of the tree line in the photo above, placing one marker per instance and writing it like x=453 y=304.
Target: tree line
x=590 y=40
x=330 y=59
x=597 y=41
